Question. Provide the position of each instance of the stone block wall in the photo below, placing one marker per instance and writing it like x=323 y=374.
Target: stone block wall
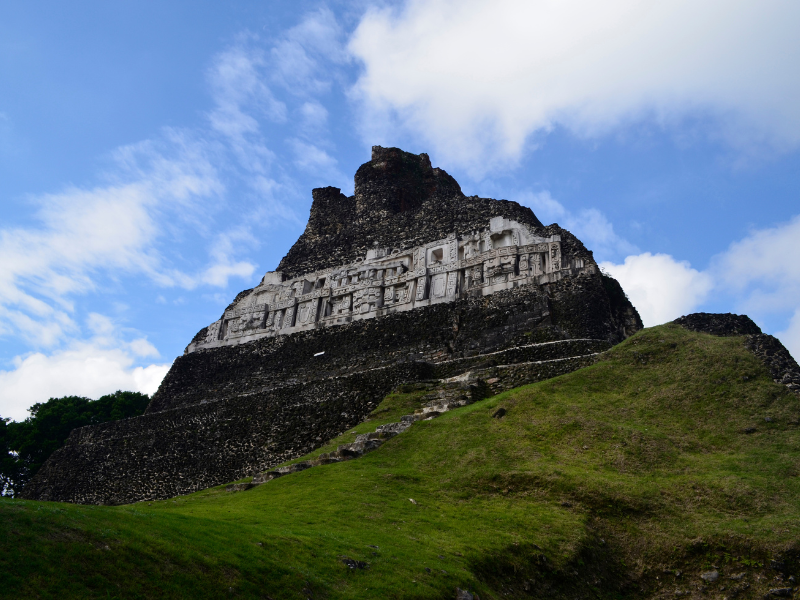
x=571 y=308
x=179 y=451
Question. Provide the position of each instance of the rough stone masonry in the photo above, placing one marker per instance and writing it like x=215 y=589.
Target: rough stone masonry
x=407 y=280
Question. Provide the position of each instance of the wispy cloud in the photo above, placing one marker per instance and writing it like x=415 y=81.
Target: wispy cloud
x=313 y=118
x=590 y=225
x=238 y=88
x=83 y=235
x=246 y=81
x=763 y=267
x=477 y=79
x=303 y=57
x=224 y=264
x=791 y=335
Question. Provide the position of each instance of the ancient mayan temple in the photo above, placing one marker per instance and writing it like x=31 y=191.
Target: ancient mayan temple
x=407 y=280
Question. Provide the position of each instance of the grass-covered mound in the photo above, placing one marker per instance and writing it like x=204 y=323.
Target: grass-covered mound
x=675 y=453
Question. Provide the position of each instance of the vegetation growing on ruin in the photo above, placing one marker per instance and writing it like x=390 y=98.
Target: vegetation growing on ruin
x=675 y=454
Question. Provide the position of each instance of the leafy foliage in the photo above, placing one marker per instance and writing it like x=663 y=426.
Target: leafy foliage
x=25 y=446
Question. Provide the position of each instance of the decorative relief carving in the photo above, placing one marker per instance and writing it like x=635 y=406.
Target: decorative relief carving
x=452 y=279
x=213 y=332
x=288 y=317
x=365 y=300
x=473 y=276
x=555 y=257
x=421 y=285
x=438 y=285
x=419 y=258
x=306 y=312
x=405 y=293
x=396 y=279
x=524 y=265
x=251 y=320
x=341 y=305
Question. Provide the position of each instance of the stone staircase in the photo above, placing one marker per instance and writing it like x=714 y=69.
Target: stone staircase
x=443 y=395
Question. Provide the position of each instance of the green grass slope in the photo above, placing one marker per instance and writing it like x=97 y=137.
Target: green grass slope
x=627 y=479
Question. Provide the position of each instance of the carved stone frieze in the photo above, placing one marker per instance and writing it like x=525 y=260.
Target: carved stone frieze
x=504 y=255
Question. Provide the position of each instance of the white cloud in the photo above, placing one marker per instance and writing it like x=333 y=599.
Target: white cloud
x=45 y=331
x=82 y=370
x=764 y=267
x=477 y=78
x=82 y=237
x=224 y=266
x=758 y=275
x=313 y=159
x=791 y=335
x=237 y=81
x=588 y=224
x=104 y=363
x=238 y=78
x=661 y=288
x=141 y=347
x=100 y=325
x=313 y=118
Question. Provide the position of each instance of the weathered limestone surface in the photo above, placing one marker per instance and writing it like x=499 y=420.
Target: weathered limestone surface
x=722 y=324
x=503 y=255
x=407 y=280
x=399 y=200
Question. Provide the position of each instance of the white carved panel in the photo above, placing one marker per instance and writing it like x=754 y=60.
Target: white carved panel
x=394 y=280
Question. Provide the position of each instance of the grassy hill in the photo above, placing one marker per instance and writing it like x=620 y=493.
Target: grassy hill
x=674 y=455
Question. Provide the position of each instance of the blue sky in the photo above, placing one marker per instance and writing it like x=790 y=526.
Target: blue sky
x=157 y=158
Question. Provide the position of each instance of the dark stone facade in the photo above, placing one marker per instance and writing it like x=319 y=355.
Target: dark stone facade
x=179 y=451
x=722 y=324
x=399 y=200
x=782 y=366
x=570 y=308
x=227 y=412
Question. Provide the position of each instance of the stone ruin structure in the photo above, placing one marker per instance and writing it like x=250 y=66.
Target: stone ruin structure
x=408 y=281
x=768 y=349
x=503 y=255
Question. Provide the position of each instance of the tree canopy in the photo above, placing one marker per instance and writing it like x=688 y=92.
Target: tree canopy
x=26 y=445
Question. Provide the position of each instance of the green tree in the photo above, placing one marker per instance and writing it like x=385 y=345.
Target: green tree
x=26 y=445
x=10 y=465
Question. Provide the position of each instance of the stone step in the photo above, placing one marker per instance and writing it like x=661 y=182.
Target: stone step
x=453 y=393
x=393 y=428
x=374 y=435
